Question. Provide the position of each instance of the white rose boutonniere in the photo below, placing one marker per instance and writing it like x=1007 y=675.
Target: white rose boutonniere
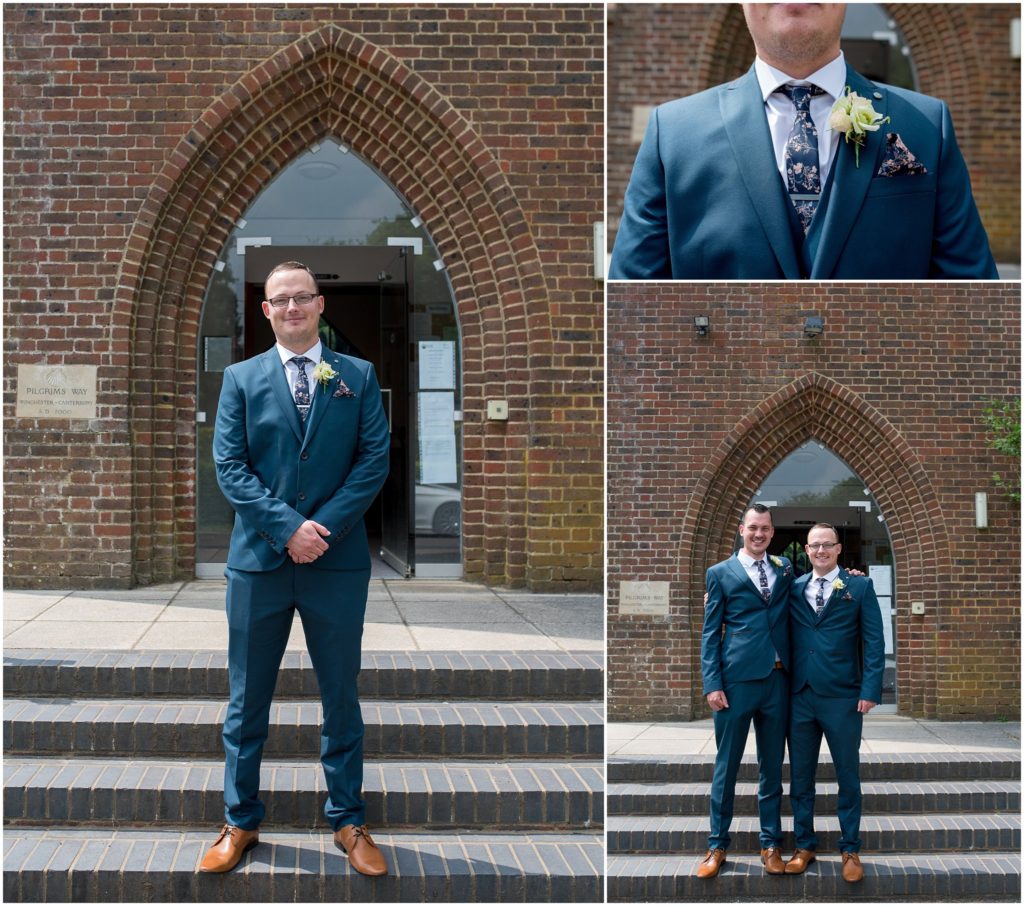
x=324 y=373
x=839 y=585
x=854 y=117
x=776 y=562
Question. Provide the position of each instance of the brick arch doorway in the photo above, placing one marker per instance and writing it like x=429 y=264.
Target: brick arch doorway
x=332 y=82
x=815 y=407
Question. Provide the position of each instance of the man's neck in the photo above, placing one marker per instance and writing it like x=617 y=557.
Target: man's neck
x=820 y=575
x=799 y=70
x=759 y=556
x=303 y=347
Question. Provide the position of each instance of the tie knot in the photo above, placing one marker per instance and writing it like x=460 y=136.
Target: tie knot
x=299 y=361
x=801 y=95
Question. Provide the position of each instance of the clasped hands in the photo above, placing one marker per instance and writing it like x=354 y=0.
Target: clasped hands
x=307 y=542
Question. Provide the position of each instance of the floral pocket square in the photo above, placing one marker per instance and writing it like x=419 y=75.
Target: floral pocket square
x=899 y=160
x=342 y=390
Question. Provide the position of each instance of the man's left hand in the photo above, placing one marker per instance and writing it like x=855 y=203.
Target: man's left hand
x=863 y=706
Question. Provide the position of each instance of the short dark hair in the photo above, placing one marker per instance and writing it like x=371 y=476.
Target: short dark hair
x=832 y=528
x=291 y=266
x=758 y=508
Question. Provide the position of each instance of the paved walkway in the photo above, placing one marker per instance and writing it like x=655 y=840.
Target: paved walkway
x=884 y=733
x=401 y=615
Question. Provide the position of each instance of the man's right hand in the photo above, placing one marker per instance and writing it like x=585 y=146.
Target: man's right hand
x=718 y=701
x=307 y=543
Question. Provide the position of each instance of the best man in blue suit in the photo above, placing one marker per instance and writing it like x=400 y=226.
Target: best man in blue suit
x=301 y=447
x=838 y=651
x=744 y=656
x=748 y=181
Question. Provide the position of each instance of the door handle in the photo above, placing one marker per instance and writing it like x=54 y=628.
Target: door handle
x=387 y=390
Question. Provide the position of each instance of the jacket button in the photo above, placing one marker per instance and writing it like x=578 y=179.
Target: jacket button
x=304 y=456
x=302 y=496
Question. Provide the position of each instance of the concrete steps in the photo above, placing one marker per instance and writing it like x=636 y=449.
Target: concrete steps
x=164 y=727
x=974 y=877
x=889 y=833
x=483 y=779
x=936 y=827
x=160 y=866
x=416 y=675
x=125 y=792
x=898 y=797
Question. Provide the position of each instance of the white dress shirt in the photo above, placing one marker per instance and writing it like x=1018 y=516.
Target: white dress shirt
x=754 y=574
x=811 y=591
x=781 y=111
x=292 y=373
x=747 y=562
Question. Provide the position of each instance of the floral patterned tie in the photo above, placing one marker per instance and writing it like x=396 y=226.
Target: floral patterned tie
x=766 y=592
x=301 y=386
x=803 y=176
x=819 y=600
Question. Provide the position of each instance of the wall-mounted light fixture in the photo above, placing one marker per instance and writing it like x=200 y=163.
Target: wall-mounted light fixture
x=702 y=324
x=1015 y=39
x=814 y=326
x=981 y=510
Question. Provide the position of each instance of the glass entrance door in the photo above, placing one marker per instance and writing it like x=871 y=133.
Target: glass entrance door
x=332 y=211
x=813 y=485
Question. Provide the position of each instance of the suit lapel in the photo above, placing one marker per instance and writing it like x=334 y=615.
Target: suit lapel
x=742 y=113
x=270 y=362
x=849 y=183
x=321 y=395
x=740 y=573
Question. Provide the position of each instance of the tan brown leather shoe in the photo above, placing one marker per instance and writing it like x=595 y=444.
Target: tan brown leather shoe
x=711 y=863
x=772 y=861
x=801 y=859
x=231 y=845
x=853 y=871
x=363 y=854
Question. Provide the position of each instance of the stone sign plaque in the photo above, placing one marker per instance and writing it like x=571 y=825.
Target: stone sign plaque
x=649 y=599
x=56 y=391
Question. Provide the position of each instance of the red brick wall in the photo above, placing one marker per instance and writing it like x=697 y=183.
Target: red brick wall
x=657 y=52
x=896 y=387
x=136 y=135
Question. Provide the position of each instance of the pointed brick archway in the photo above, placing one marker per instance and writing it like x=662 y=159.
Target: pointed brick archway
x=815 y=407
x=333 y=84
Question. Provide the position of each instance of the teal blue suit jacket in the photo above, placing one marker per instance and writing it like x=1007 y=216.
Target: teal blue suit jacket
x=841 y=653
x=706 y=200
x=741 y=632
x=276 y=475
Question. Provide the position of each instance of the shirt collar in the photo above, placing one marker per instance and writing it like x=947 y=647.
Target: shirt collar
x=749 y=561
x=313 y=353
x=829 y=578
x=831 y=77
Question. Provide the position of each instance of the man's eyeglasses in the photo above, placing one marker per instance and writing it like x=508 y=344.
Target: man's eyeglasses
x=300 y=299
x=823 y=546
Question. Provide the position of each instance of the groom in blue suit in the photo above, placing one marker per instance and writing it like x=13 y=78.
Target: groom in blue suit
x=750 y=181
x=744 y=657
x=301 y=448
x=838 y=657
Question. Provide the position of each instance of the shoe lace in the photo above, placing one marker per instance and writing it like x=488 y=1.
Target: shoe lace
x=363 y=833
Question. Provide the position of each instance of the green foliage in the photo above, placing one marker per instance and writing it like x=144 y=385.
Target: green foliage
x=1002 y=418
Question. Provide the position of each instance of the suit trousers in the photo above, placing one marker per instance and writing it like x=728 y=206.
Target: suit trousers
x=766 y=703
x=260 y=609
x=812 y=716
